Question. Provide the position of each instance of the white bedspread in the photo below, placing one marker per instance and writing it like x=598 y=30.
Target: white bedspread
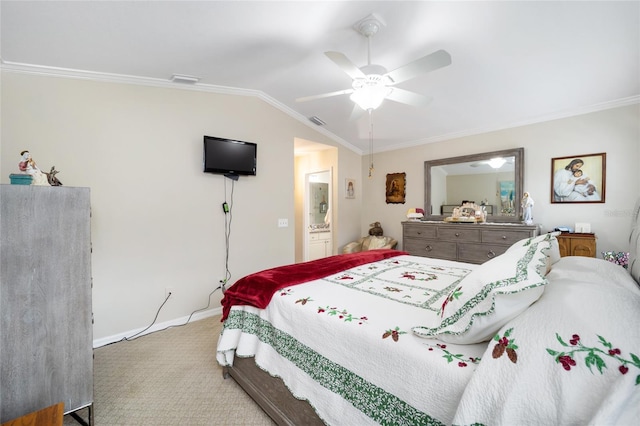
x=345 y=344
x=573 y=358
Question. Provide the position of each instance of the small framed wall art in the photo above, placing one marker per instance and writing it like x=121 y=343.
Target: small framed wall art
x=349 y=188
x=395 y=188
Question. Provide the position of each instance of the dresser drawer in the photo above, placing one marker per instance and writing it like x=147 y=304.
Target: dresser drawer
x=479 y=253
x=459 y=233
x=431 y=248
x=464 y=242
x=507 y=237
x=419 y=231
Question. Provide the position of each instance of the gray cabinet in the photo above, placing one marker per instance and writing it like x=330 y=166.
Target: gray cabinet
x=463 y=242
x=45 y=299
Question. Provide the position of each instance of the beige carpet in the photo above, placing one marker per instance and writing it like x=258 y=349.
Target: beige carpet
x=169 y=377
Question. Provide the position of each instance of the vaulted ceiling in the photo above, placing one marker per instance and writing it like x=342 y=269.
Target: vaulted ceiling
x=513 y=62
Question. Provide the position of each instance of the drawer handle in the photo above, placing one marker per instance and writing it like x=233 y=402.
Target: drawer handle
x=504 y=237
x=419 y=232
x=428 y=248
x=457 y=234
x=491 y=254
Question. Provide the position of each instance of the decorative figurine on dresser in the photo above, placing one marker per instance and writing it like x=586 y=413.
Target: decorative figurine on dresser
x=527 y=209
x=467 y=213
x=30 y=174
x=28 y=166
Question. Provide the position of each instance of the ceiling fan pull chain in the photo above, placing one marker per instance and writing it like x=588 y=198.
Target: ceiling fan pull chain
x=370 y=143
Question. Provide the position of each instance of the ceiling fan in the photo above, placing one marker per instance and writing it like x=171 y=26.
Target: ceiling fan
x=372 y=84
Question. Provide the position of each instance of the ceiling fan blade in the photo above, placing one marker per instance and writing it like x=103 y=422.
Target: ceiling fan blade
x=324 y=95
x=356 y=113
x=409 y=98
x=345 y=64
x=428 y=63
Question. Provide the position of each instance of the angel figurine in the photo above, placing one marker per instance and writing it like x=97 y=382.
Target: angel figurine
x=527 y=208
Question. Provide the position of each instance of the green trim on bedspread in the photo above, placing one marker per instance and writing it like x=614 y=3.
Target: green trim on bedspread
x=379 y=405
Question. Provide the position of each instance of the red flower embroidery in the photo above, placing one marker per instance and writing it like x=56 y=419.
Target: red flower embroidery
x=574 y=339
x=594 y=356
x=567 y=362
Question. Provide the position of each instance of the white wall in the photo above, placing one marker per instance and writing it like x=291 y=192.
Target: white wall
x=157 y=220
x=614 y=131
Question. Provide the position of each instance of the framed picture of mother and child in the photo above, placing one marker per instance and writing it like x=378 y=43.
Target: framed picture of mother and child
x=578 y=179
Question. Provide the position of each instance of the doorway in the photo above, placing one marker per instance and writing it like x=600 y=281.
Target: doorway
x=318 y=241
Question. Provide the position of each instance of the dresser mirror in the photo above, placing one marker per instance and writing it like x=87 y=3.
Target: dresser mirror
x=493 y=180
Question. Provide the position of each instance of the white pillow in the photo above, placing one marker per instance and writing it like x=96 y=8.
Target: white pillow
x=491 y=295
x=553 y=252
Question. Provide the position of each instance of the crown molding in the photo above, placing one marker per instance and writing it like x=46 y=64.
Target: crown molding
x=631 y=100
x=22 y=68
x=157 y=82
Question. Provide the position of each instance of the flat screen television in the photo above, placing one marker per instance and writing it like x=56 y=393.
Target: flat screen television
x=229 y=157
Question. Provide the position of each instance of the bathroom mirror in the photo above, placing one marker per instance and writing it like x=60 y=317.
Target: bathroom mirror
x=492 y=179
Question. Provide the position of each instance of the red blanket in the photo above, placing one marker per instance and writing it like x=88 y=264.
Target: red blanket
x=258 y=289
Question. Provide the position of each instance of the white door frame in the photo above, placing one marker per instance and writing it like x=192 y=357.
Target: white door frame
x=307 y=213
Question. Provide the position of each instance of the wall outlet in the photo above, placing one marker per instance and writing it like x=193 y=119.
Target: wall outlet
x=169 y=290
x=283 y=223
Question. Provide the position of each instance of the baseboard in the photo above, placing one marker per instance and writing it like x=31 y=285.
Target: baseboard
x=156 y=327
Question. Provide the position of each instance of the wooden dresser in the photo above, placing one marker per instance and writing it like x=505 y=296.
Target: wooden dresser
x=577 y=244
x=464 y=242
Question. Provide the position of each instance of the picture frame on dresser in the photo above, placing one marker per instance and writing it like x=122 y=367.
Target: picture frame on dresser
x=579 y=178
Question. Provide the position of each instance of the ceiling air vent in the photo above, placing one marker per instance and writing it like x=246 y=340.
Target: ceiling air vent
x=316 y=120
x=184 y=79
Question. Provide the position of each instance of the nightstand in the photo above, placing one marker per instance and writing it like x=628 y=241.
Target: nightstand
x=576 y=244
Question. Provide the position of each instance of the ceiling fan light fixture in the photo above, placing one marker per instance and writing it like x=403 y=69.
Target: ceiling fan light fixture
x=496 y=163
x=370 y=97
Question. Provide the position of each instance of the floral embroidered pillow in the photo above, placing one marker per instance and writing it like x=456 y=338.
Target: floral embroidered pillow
x=491 y=295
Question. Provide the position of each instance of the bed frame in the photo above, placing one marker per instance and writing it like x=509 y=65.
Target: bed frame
x=271 y=394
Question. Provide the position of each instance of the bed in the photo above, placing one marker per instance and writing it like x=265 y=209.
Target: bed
x=382 y=337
